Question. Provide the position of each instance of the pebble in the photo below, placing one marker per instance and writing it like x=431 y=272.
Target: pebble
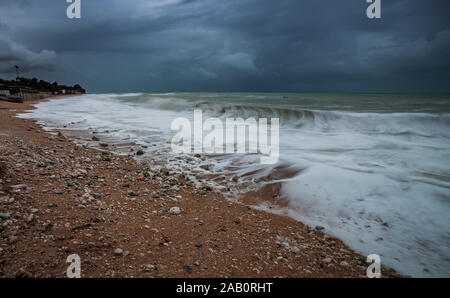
x=165 y=171
x=132 y=193
x=327 y=260
x=18 y=186
x=188 y=269
x=149 y=268
x=5 y=215
x=295 y=250
x=205 y=167
x=175 y=211
x=30 y=218
x=13 y=239
x=118 y=251
x=344 y=264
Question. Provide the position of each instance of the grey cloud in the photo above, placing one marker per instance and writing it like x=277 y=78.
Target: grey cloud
x=12 y=54
x=240 y=61
x=242 y=45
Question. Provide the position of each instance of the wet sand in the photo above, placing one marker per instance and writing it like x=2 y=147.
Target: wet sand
x=125 y=218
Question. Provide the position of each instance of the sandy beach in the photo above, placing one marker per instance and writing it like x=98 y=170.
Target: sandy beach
x=124 y=219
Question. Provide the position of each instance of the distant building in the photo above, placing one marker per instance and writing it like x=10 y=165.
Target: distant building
x=4 y=90
x=15 y=92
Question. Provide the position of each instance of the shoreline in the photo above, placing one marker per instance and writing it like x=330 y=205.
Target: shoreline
x=126 y=220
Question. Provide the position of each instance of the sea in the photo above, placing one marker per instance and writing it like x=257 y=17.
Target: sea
x=371 y=169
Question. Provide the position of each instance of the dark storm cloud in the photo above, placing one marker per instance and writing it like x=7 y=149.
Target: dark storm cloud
x=12 y=54
x=232 y=45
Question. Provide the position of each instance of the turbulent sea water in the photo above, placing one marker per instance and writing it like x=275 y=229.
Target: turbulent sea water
x=374 y=170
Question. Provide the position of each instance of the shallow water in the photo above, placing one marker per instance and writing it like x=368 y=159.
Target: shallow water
x=372 y=169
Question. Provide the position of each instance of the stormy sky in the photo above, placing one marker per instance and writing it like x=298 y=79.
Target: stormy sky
x=230 y=45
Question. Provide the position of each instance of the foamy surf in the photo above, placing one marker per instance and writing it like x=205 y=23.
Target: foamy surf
x=371 y=169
